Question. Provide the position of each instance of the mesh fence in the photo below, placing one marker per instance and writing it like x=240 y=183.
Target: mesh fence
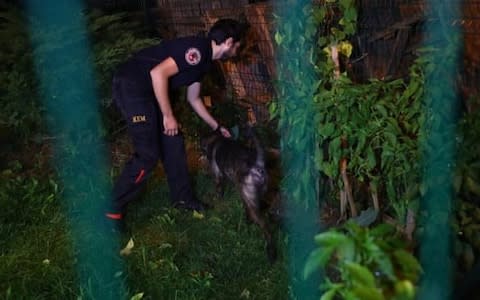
x=388 y=35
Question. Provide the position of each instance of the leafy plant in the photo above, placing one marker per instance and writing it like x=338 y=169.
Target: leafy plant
x=466 y=186
x=363 y=263
x=467 y=189
x=467 y=178
x=21 y=114
x=114 y=37
x=367 y=133
x=296 y=87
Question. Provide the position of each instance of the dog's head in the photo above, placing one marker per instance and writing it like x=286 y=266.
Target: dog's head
x=207 y=142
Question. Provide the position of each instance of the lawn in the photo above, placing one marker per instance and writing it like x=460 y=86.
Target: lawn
x=176 y=254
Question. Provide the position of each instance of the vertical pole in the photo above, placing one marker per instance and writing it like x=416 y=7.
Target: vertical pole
x=438 y=150
x=298 y=145
x=61 y=52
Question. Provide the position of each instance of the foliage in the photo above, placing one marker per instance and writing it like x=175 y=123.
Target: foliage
x=467 y=243
x=373 y=135
x=367 y=263
x=375 y=127
x=34 y=249
x=113 y=38
x=467 y=190
x=296 y=87
x=366 y=132
x=21 y=113
x=467 y=176
x=32 y=195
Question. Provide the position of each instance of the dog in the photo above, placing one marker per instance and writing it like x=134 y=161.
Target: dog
x=233 y=161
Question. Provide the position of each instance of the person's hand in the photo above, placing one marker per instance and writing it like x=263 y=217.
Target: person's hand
x=170 y=126
x=224 y=131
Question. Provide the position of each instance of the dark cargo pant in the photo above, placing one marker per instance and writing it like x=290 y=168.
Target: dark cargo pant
x=145 y=127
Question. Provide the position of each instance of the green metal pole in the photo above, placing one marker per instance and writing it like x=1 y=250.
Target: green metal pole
x=438 y=145
x=64 y=69
x=298 y=145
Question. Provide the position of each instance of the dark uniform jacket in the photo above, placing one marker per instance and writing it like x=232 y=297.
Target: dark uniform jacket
x=193 y=56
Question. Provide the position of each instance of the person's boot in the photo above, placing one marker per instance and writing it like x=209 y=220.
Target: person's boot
x=193 y=205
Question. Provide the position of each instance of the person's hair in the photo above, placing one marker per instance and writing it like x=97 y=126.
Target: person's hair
x=226 y=28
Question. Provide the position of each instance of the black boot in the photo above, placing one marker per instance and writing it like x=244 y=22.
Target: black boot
x=193 y=205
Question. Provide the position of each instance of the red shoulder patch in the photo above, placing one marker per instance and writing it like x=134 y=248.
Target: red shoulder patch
x=193 y=56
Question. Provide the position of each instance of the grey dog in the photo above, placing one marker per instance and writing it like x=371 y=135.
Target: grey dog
x=231 y=160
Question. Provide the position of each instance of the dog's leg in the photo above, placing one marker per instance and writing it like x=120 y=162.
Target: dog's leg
x=220 y=187
x=254 y=215
x=248 y=219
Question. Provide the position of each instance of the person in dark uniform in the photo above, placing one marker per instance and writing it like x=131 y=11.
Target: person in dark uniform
x=141 y=89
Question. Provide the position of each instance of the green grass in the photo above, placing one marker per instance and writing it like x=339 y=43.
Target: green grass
x=176 y=255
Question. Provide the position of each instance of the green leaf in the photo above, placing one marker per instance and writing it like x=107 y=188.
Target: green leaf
x=412 y=87
x=405 y=290
x=347 y=250
x=368 y=293
x=386 y=156
x=472 y=186
x=360 y=275
x=362 y=138
x=334 y=148
x=137 y=296
x=278 y=38
x=322 y=41
x=345 y=3
x=408 y=264
x=318 y=159
x=371 y=161
x=329 y=295
x=319 y=14
x=383 y=261
x=351 y=15
x=391 y=194
x=349 y=29
x=381 y=109
x=326 y=130
x=382 y=230
x=330 y=238
x=317 y=259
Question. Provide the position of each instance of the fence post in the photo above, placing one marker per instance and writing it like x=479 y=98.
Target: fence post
x=438 y=150
x=298 y=144
x=68 y=92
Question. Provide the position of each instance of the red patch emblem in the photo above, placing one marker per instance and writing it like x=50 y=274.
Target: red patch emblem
x=193 y=56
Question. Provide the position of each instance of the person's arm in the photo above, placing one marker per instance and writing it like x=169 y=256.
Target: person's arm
x=160 y=75
x=193 y=97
